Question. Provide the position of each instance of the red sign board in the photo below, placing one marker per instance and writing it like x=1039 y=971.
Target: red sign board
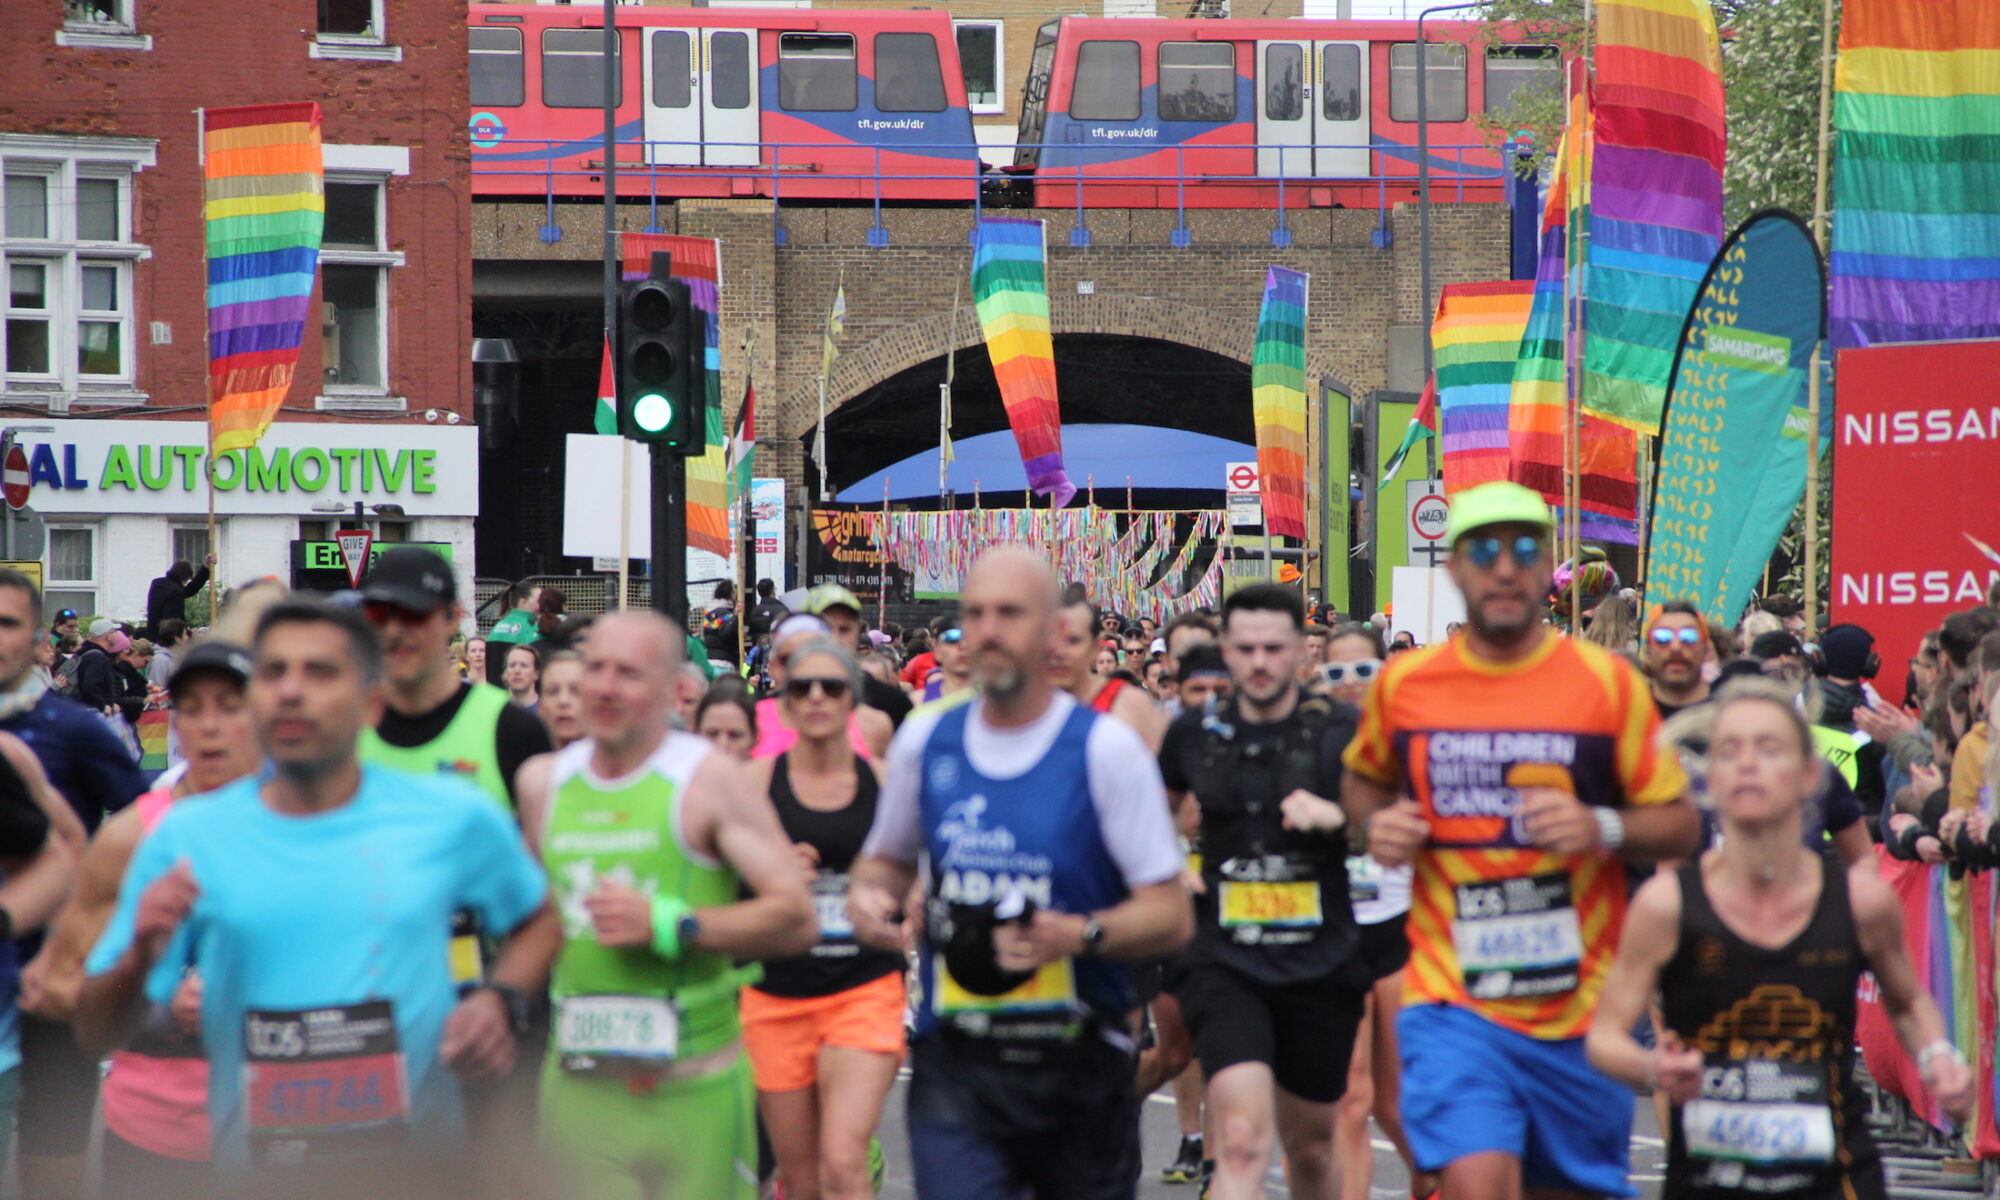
x=1916 y=501
x=14 y=478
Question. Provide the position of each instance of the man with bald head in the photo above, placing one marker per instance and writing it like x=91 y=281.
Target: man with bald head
x=1070 y=652
x=651 y=842
x=1048 y=854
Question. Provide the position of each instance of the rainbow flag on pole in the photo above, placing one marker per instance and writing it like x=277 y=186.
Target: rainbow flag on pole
x=1010 y=293
x=1278 y=401
x=699 y=262
x=1474 y=341
x=1655 y=198
x=264 y=209
x=1916 y=174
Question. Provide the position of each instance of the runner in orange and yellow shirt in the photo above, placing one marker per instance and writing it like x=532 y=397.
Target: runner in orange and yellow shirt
x=1518 y=770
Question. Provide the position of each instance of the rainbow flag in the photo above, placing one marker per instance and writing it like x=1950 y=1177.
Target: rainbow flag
x=264 y=208
x=153 y=739
x=1474 y=340
x=1278 y=401
x=1916 y=173
x=1608 y=483
x=699 y=262
x=1010 y=293
x=1655 y=198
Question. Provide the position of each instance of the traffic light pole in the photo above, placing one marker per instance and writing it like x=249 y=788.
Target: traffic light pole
x=670 y=539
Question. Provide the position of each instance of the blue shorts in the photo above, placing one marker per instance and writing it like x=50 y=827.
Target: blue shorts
x=1472 y=1087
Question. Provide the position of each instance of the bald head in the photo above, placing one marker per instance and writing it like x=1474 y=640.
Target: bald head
x=1008 y=608
x=631 y=667
x=642 y=633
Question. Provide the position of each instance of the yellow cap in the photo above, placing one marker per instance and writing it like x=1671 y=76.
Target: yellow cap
x=1496 y=503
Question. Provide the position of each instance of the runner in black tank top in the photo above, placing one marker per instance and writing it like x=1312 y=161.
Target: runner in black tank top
x=824 y=1030
x=838 y=962
x=1756 y=949
x=1778 y=1113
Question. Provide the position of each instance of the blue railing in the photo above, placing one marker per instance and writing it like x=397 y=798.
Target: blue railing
x=1451 y=173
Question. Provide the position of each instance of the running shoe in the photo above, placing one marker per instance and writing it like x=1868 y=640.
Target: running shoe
x=1186 y=1167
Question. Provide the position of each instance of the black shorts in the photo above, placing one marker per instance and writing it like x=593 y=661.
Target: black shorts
x=1304 y=1031
x=1385 y=946
x=58 y=1090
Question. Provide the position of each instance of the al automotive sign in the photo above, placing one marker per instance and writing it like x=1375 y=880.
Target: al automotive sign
x=157 y=467
x=1916 y=498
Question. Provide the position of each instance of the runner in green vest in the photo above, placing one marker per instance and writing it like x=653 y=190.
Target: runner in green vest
x=651 y=841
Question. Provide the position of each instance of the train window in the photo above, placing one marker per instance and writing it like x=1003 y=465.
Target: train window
x=673 y=70
x=497 y=68
x=1284 y=82
x=1512 y=71
x=1444 y=78
x=729 y=70
x=979 y=54
x=1340 y=83
x=1107 y=82
x=1197 y=81
x=573 y=69
x=907 y=75
x=816 y=72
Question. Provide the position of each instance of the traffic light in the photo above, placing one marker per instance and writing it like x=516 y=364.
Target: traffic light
x=662 y=386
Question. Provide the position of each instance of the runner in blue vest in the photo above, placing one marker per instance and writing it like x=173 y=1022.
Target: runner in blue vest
x=1048 y=854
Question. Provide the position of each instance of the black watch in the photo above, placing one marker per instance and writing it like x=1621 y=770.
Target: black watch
x=513 y=1002
x=1093 y=937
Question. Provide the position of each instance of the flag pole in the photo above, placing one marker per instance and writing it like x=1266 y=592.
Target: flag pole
x=207 y=346
x=747 y=520
x=1826 y=53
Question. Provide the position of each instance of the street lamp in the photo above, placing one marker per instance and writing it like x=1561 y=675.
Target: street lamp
x=1424 y=205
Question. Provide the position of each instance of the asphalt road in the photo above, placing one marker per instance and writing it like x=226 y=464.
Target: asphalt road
x=1161 y=1135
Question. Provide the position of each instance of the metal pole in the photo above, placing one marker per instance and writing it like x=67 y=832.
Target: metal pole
x=611 y=281
x=1424 y=208
x=1812 y=377
x=670 y=535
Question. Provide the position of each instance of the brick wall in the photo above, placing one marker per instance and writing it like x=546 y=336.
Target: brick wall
x=215 y=55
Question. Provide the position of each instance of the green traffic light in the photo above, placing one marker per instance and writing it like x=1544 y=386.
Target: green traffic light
x=652 y=412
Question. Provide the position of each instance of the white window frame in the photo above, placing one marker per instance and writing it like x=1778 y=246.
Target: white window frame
x=119 y=32
x=999 y=27
x=366 y=166
x=371 y=46
x=94 y=584
x=64 y=161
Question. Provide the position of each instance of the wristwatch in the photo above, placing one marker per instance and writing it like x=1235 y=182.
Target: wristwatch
x=687 y=930
x=511 y=1000
x=1093 y=937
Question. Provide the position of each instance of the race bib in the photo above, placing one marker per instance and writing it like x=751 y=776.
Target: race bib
x=592 y=1032
x=323 y=1082
x=1517 y=937
x=1051 y=988
x=1364 y=879
x=1288 y=905
x=1762 y=1112
x=836 y=931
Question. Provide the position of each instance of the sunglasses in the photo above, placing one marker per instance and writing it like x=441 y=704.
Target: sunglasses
x=1687 y=636
x=1485 y=551
x=1360 y=671
x=830 y=687
x=953 y=636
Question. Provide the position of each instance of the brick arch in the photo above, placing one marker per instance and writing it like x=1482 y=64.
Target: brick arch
x=862 y=367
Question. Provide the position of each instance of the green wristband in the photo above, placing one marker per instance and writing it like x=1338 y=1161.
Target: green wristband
x=667 y=914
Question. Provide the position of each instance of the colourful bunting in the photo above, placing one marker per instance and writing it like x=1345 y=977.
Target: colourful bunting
x=265 y=208
x=1278 y=402
x=1010 y=294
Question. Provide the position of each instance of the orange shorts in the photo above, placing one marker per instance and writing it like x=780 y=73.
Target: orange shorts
x=784 y=1035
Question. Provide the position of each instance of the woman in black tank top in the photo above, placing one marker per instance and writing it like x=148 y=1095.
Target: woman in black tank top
x=824 y=1030
x=1756 y=950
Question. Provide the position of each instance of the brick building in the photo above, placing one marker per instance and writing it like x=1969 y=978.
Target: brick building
x=105 y=321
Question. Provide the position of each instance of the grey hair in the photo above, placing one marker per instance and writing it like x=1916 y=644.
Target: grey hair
x=1687 y=733
x=833 y=649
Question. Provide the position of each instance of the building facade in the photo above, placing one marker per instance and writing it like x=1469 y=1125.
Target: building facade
x=103 y=362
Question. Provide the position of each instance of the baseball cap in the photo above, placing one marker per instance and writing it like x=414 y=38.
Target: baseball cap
x=1776 y=644
x=119 y=638
x=1495 y=503
x=223 y=658
x=831 y=595
x=412 y=578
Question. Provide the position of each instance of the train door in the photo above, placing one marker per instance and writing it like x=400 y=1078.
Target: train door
x=1340 y=114
x=1284 y=109
x=701 y=97
x=731 y=129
